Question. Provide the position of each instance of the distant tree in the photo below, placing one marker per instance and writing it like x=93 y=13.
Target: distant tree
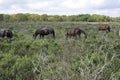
x=13 y=17
x=118 y=19
x=1 y=17
x=64 y=17
x=44 y=17
x=6 y=17
x=34 y=17
x=51 y=18
x=21 y=17
x=18 y=17
x=71 y=18
x=58 y=18
x=83 y=17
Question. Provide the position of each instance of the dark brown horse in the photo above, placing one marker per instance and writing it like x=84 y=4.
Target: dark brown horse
x=74 y=32
x=44 y=31
x=104 y=28
x=6 y=33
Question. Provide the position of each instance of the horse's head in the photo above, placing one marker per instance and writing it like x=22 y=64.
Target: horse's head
x=66 y=35
x=34 y=36
x=2 y=33
x=84 y=33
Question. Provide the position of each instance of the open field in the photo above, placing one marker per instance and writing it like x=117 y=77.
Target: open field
x=94 y=58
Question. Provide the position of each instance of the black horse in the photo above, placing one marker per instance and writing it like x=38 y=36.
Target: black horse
x=74 y=32
x=6 y=33
x=44 y=31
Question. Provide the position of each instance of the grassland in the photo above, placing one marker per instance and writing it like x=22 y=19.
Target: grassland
x=94 y=58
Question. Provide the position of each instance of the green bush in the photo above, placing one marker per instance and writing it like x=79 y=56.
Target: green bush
x=94 y=58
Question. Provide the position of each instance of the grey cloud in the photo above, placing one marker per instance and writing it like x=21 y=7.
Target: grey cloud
x=8 y=3
x=113 y=4
x=56 y=7
x=109 y=4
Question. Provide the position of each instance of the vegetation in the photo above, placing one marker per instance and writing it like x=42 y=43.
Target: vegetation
x=45 y=17
x=94 y=58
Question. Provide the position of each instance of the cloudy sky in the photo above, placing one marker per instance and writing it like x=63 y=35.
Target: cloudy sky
x=61 y=7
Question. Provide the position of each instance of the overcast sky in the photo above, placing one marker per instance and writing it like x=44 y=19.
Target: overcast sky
x=61 y=7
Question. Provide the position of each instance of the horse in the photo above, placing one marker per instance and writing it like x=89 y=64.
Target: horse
x=74 y=32
x=104 y=28
x=44 y=31
x=6 y=33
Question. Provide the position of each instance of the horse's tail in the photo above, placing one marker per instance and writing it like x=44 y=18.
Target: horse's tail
x=53 y=34
x=109 y=29
x=99 y=28
x=84 y=33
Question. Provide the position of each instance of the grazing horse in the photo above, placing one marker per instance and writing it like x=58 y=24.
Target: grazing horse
x=44 y=31
x=6 y=33
x=104 y=28
x=74 y=32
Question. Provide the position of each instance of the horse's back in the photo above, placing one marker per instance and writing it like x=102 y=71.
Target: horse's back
x=103 y=27
x=48 y=30
x=73 y=31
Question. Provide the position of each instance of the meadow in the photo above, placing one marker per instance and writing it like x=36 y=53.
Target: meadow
x=94 y=58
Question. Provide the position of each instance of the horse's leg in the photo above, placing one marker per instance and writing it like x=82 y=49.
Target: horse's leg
x=42 y=36
x=75 y=36
x=79 y=35
x=68 y=36
x=83 y=32
x=9 y=39
x=0 y=39
x=107 y=31
x=54 y=35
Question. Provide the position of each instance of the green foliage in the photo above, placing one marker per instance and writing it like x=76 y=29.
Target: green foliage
x=34 y=17
x=94 y=58
x=23 y=68
x=6 y=17
x=6 y=66
x=44 y=17
x=51 y=18
x=1 y=17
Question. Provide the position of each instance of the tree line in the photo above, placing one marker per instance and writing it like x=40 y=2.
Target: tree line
x=45 y=17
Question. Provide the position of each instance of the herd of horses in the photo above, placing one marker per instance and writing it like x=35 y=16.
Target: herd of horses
x=70 y=32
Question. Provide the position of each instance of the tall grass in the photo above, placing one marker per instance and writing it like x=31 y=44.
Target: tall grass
x=94 y=58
